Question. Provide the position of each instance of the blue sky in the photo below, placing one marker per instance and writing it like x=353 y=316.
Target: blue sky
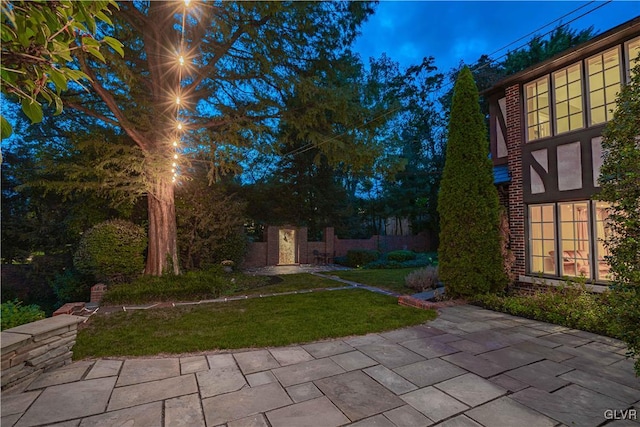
x=451 y=31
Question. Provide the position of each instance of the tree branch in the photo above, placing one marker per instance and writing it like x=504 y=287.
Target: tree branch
x=92 y=113
x=209 y=68
x=108 y=99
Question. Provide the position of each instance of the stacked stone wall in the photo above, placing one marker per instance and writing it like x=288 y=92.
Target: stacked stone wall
x=33 y=348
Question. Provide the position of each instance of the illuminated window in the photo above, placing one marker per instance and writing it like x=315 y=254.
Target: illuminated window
x=568 y=239
x=633 y=49
x=542 y=239
x=567 y=86
x=603 y=232
x=604 y=85
x=574 y=239
x=538 y=120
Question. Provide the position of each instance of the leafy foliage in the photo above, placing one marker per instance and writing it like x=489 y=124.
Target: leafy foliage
x=71 y=286
x=571 y=306
x=401 y=255
x=360 y=257
x=15 y=314
x=620 y=183
x=39 y=40
x=112 y=251
x=469 y=252
x=210 y=224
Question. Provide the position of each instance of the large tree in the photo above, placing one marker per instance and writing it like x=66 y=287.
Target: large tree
x=243 y=60
x=620 y=182
x=469 y=252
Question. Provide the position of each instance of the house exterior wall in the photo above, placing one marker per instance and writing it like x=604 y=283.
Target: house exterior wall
x=559 y=168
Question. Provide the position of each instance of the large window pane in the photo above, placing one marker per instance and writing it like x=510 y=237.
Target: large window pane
x=542 y=239
x=537 y=103
x=574 y=239
x=603 y=232
x=567 y=86
x=604 y=72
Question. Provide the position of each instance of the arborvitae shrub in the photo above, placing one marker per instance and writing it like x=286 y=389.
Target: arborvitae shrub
x=469 y=252
x=112 y=251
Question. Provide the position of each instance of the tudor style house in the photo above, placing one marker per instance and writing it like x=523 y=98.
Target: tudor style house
x=546 y=126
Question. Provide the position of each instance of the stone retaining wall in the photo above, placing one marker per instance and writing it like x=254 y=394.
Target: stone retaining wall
x=30 y=349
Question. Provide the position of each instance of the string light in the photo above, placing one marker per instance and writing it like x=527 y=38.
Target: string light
x=179 y=101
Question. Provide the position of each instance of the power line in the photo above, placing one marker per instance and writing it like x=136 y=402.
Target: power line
x=440 y=92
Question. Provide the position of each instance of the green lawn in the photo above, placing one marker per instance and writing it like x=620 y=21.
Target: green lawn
x=259 y=322
x=391 y=279
x=201 y=285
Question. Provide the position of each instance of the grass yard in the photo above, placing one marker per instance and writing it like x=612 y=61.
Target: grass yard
x=391 y=279
x=201 y=285
x=260 y=322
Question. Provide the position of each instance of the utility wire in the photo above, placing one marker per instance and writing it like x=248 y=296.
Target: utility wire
x=311 y=145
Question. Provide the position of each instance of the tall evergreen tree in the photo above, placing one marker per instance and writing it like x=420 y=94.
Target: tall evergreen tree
x=620 y=182
x=469 y=252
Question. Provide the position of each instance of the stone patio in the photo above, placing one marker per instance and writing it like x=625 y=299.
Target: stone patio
x=469 y=367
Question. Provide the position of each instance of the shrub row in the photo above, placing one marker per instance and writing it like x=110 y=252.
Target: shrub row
x=370 y=259
x=571 y=306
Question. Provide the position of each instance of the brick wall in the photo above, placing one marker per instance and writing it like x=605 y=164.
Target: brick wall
x=256 y=255
x=422 y=242
x=261 y=254
x=515 y=199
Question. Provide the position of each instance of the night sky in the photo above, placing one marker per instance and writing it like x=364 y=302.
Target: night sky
x=451 y=31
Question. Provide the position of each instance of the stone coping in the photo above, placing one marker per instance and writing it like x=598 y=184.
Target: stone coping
x=21 y=333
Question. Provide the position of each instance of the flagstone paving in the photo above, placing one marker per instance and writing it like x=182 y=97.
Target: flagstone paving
x=468 y=368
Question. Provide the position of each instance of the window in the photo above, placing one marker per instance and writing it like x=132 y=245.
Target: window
x=542 y=239
x=604 y=84
x=567 y=239
x=567 y=87
x=633 y=49
x=538 y=118
x=603 y=232
x=574 y=239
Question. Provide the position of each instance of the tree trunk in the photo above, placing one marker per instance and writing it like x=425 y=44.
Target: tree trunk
x=162 y=257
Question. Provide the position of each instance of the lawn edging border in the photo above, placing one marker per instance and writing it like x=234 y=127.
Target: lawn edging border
x=410 y=301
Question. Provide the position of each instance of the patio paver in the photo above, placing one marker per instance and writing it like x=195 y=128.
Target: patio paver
x=509 y=371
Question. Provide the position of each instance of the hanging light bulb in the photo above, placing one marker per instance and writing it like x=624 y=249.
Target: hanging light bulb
x=178 y=100
x=179 y=125
x=175 y=156
x=181 y=60
x=175 y=143
x=173 y=164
